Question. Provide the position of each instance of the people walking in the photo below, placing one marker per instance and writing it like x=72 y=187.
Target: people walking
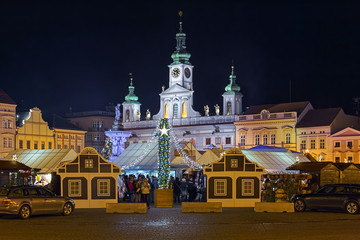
x=183 y=188
x=177 y=190
x=145 y=191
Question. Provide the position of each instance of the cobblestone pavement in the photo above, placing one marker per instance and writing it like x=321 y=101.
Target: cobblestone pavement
x=233 y=223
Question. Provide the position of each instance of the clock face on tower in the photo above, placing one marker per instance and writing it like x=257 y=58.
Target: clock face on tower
x=175 y=72
x=187 y=72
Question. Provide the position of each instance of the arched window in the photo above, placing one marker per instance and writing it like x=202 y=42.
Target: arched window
x=175 y=110
x=127 y=115
x=287 y=138
x=228 y=108
x=257 y=139
x=184 y=110
x=273 y=138
x=265 y=138
x=242 y=140
x=167 y=111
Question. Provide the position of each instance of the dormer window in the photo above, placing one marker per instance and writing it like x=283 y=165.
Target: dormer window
x=265 y=114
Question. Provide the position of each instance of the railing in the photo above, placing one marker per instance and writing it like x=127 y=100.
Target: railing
x=255 y=117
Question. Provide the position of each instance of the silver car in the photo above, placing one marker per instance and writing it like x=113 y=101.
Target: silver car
x=25 y=201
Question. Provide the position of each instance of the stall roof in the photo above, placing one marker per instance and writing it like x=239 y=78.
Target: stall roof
x=210 y=156
x=317 y=166
x=274 y=162
x=12 y=165
x=47 y=160
x=149 y=161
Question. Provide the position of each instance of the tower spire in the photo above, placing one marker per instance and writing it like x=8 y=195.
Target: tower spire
x=131 y=97
x=180 y=55
x=232 y=86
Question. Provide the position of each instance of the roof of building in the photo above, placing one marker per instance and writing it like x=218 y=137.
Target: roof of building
x=317 y=166
x=47 y=160
x=61 y=123
x=4 y=98
x=318 y=117
x=211 y=155
x=277 y=108
x=270 y=149
x=147 y=153
x=12 y=165
x=274 y=162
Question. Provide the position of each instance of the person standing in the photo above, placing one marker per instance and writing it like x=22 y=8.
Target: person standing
x=145 y=191
x=177 y=190
x=153 y=187
x=137 y=190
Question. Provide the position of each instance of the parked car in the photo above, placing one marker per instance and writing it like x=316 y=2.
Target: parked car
x=330 y=197
x=25 y=201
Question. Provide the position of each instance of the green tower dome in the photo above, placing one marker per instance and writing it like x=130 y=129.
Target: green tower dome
x=232 y=87
x=131 y=97
x=180 y=55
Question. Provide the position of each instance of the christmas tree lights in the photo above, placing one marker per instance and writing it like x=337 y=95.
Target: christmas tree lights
x=163 y=153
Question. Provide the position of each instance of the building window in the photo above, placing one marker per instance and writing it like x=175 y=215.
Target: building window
x=247 y=187
x=35 y=145
x=9 y=124
x=66 y=136
x=97 y=124
x=234 y=163
x=88 y=137
x=207 y=141
x=242 y=140
x=337 y=144
x=10 y=142
x=50 y=145
x=89 y=163
x=184 y=110
x=59 y=146
x=228 y=140
x=127 y=115
x=303 y=145
x=74 y=188
x=4 y=123
x=28 y=144
x=287 y=138
x=4 y=142
x=72 y=147
x=21 y=144
x=265 y=138
x=272 y=138
x=175 y=110
x=337 y=159
x=72 y=137
x=42 y=145
x=167 y=111
x=103 y=187
x=217 y=141
x=257 y=139
x=349 y=144
x=322 y=143
x=220 y=187
x=97 y=137
x=228 y=108
x=65 y=146
x=312 y=143
x=350 y=159
x=79 y=137
x=78 y=149
x=59 y=136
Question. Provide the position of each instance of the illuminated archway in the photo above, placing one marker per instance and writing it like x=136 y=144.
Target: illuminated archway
x=167 y=111
x=184 y=110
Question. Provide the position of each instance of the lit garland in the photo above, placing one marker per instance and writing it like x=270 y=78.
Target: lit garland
x=163 y=153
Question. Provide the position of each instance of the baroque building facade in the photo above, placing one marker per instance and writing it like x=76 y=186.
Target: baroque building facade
x=8 y=124
x=176 y=104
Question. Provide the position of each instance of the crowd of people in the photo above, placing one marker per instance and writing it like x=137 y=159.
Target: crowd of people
x=142 y=189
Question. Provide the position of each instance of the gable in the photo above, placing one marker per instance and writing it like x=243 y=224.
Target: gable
x=347 y=132
x=175 y=89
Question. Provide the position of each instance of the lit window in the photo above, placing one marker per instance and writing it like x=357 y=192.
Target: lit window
x=248 y=187
x=265 y=138
x=184 y=110
x=4 y=123
x=89 y=163
x=9 y=124
x=103 y=187
x=167 y=111
x=312 y=143
x=287 y=138
x=322 y=143
x=74 y=188
x=10 y=142
x=257 y=139
x=217 y=141
x=242 y=140
x=272 y=138
x=337 y=144
x=220 y=187
x=234 y=163
x=350 y=159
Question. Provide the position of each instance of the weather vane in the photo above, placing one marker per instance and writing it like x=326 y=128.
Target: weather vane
x=180 y=15
x=131 y=79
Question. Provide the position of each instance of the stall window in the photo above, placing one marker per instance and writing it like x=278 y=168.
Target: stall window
x=234 y=163
x=74 y=188
x=220 y=187
x=248 y=187
x=89 y=163
x=103 y=187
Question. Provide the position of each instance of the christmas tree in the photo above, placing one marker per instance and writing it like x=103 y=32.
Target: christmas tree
x=163 y=153
x=107 y=150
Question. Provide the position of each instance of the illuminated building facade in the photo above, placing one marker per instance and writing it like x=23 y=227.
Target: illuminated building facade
x=270 y=125
x=7 y=124
x=176 y=104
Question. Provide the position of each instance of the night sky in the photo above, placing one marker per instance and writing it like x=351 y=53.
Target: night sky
x=64 y=54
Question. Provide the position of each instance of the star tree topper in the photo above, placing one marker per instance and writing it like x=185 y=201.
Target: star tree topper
x=164 y=131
